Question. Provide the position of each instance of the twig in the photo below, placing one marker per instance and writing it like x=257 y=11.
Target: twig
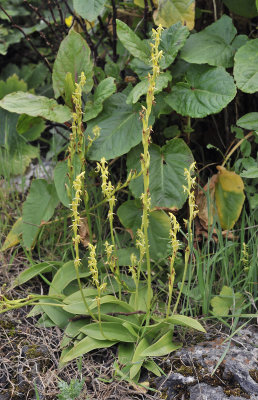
x=36 y=10
x=27 y=38
x=114 y=30
x=145 y=18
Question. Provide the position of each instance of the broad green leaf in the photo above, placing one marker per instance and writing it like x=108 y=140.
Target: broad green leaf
x=65 y=275
x=55 y=313
x=89 y=9
x=226 y=300
x=250 y=173
x=108 y=331
x=249 y=121
x=142 y=299
x=246 y=67
x=172 y=40
x=245 y=8
x=125 y=352
x=73 y=56
x=136 y=46
x=120 y=129
x=72 y=330
x=85 y=346
x=35 y=106
x=207 y=90
x=35 y=270
x=104 y=90
x=12 y=84
x=76 y=297
x=166 y=173
x=38 y=207
x=212 y=45
x=13 y=237
x=171 y=11
x=138 y=357
x=229 y=195
x=130 y=215
x=185 y=321
x=162 y=347
x=30 y=127
x=142 y=87
x=18 y=158
x=61 y=179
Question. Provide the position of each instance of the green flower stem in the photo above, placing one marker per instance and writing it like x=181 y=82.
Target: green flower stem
x=145 y=160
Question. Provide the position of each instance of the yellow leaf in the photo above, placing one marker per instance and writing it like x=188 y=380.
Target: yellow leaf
x=170 y=12
x=229 y=196
x=13 y=236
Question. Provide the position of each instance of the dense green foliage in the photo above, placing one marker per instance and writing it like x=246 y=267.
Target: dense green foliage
x=123 y=112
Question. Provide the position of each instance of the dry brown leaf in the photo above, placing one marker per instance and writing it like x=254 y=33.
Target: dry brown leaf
x=84 y=232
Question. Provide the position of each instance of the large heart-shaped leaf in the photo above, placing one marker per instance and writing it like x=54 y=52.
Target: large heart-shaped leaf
x=172 y=40
x=246 y=67
x=212 y=45
x=229 y=195
x=137 y=47
x=35 y=106
x=207 y=90
x=73 y=56
x=39 y=206
x=130 y=214
x=89 y=9
x=166 y=173
x=171 y=11
x=120 y=129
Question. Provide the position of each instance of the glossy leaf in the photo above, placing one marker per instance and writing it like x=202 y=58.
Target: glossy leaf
x=120 y=129
x=170 y=12
x=136 y=46
x=36 y=269
x=65 y=275
x=130 y=215
x=172 y=40
x=207 y=90
x=185 y=321
x=89 y=9
x=73 y=56
x=142 y=87
x=162 y=347
x=108 y=331
x=85 y=346
x=38 y=207
x=249 y=121
x=213 y=45
x=35 y=106
x=246 y=67
x=229 y=195
x=166 y=173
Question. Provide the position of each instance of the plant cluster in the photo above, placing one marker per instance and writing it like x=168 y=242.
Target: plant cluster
x=124 y=92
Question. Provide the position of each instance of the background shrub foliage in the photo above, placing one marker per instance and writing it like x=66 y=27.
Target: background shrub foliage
x=123 y=112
